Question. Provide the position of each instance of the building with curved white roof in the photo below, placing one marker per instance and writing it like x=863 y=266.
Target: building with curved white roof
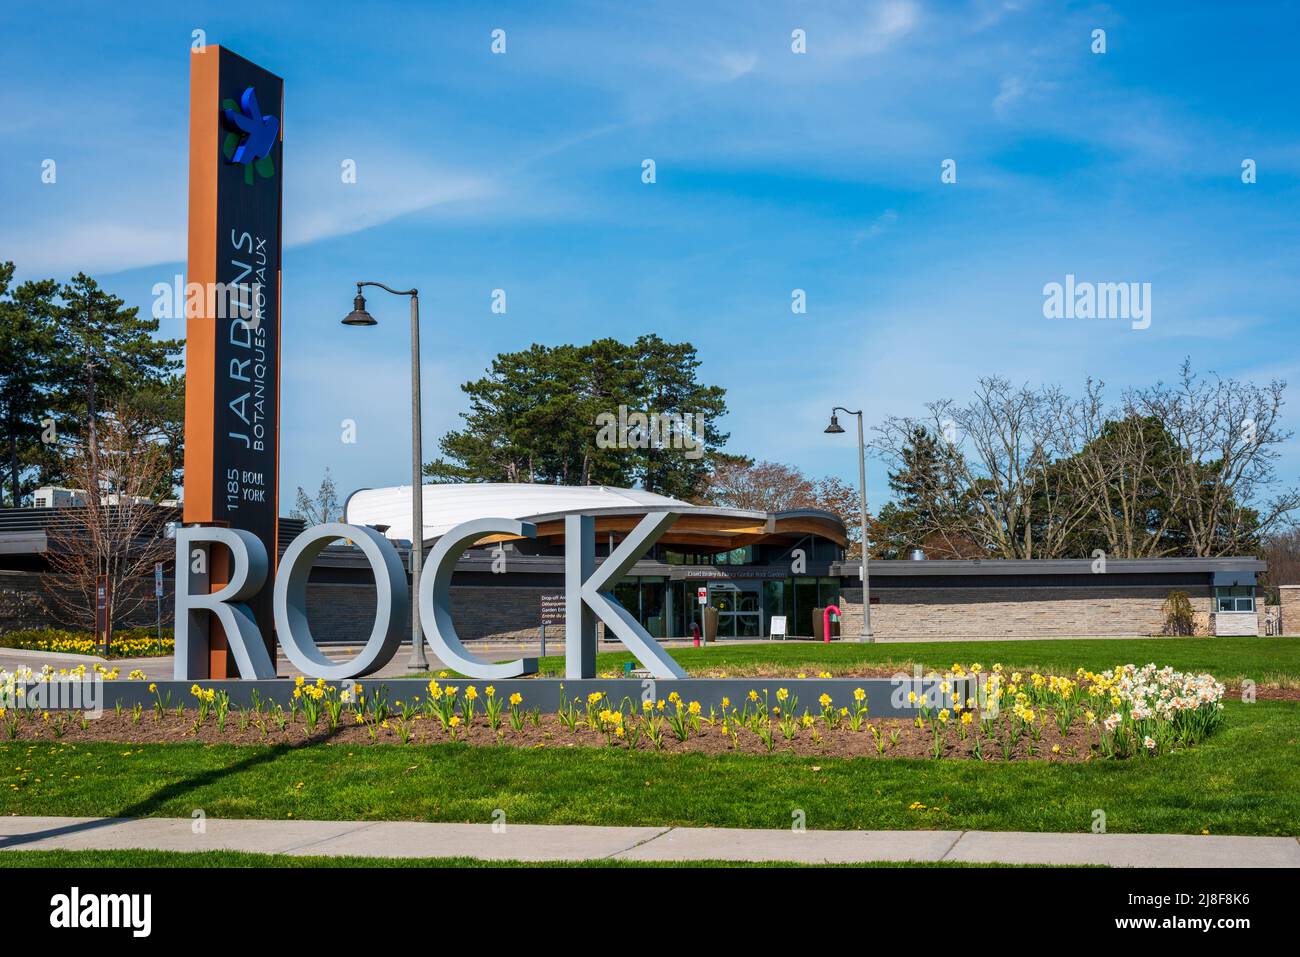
x=746 y=562
x=447 y=505
x=753 y=568
x=616 y=510
x=758 y=569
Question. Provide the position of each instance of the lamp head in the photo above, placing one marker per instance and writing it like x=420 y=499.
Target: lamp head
x=834 y=428
x=358 y=316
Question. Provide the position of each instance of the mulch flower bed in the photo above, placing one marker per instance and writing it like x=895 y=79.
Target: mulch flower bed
x=1124 y=712
x=898 y=738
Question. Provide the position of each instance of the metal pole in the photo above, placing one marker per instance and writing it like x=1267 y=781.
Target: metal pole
x=418 y=660
x=862 y=501
x=157 y=600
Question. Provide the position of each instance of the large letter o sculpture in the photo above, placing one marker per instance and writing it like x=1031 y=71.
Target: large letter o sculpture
x=391 y=613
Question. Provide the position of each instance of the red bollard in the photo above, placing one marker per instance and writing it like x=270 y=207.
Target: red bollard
x=826 y=622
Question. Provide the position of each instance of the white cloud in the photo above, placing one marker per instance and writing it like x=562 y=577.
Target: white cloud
x=1011 y=89
x=882 y=223
x=141 y=224
x=888 y=22
x=988 y=14
x=736 y=65
x=60 y=248
x=319 y=205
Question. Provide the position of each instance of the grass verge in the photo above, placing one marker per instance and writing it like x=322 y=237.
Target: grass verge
x=1243 y=780
x=1269 y=662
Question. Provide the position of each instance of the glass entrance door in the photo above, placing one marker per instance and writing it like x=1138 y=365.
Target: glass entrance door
x=740 y=608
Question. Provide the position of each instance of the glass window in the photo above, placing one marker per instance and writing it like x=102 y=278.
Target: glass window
x=773 y=601
x=1234 y=598
x=828 y=591
x=805 y=600
x=652 y=606
x=685 y=608
x=626 y=594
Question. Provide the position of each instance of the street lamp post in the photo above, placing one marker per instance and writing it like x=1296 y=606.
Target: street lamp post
x=359 y=317
x=835 y=429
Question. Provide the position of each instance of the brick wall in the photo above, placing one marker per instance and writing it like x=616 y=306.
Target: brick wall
x=1290 y=600
x=335 y=612
x=21 y=604
x=1014 y=612
x=25 y=603
x=347 y=612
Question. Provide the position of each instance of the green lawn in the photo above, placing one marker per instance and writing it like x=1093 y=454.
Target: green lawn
x=1266 y=661
x=1243 y=780
x=208 y=859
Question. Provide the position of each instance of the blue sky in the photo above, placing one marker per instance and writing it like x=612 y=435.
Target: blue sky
x=775 y=171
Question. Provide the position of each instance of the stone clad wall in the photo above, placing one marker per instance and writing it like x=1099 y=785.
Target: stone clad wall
x=993 y=612
x=21 y=603
x=25 y=602
x=347 y=612
x=335 y=612
x=1290 y=601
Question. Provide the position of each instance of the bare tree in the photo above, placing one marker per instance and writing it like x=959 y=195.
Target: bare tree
x=1282 y=552
x=1115 y=472
x=995 y=480
x=1227 y=434
x=118 y=532
x=775 y=487
x=765 y=486
x=1180 y=469
x=324 y=507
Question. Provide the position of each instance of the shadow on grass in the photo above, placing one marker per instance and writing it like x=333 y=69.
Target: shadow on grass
x=148 y=807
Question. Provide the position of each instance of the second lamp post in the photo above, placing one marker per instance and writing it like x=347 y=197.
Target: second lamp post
x=836 y=429
x=359 y=317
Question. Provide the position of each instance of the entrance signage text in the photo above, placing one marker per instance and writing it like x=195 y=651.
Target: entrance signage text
x=232 y=330
x=588 y=596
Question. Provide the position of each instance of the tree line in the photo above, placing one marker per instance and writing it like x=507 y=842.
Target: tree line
x=1187 y=467
x=73 y=361
x=1184 y=468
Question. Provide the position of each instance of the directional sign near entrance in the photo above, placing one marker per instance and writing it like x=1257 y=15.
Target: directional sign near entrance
x=553 y=609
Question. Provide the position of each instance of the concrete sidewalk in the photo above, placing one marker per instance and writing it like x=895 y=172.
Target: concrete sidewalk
x=534 y=842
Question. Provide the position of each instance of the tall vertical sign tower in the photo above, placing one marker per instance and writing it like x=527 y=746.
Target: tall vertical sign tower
x=232 y=350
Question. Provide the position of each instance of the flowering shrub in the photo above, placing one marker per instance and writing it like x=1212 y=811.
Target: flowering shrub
x=1163 y=707
x=1147 y=709
x=128 y=643
x=12 y=682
